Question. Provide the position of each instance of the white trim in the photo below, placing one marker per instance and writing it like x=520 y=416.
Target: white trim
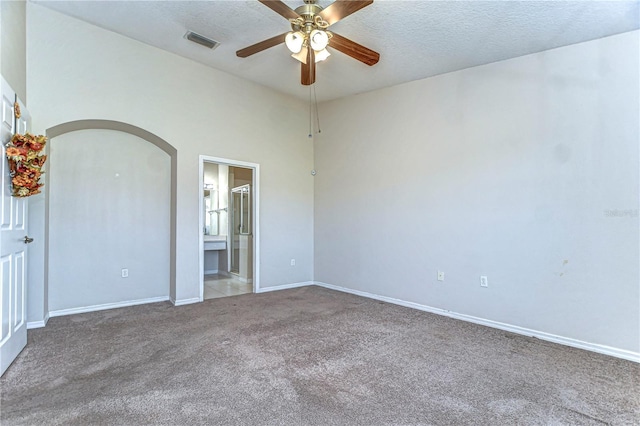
x=210 y=271
x=256 y=219
x=185 y=301
x=567 y=341
x=35 y=324
x=93 y=308
x=38 y=324
x=200 y=229
x=286 y=286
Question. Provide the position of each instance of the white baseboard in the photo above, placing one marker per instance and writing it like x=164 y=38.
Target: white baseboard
x=245 y=280
x=181 y=302
x=285 y=286
x=38 y=324
x=93 y=308
x=210 y=271
x=567 y=341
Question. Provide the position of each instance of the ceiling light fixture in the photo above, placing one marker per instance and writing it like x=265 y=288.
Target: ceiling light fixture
x=301 y=55
x=322 y=55
x=294 y=41
x=318 y=39
x=308 y=32
x=308 y=38
x=298 y=43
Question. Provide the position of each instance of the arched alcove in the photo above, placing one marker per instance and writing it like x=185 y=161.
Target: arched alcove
x=129 y=129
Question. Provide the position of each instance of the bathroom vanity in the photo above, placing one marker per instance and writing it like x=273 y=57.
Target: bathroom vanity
x=215 y=242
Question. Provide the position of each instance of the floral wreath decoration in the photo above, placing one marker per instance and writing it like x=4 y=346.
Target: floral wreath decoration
x=26 y=159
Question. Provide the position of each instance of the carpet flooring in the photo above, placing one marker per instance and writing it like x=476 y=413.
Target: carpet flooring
x=306 y=356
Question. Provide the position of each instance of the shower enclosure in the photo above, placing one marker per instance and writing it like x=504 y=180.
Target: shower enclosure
x=241 y=243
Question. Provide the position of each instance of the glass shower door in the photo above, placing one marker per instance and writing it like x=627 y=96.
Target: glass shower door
x=236 y=208
x=241 y=222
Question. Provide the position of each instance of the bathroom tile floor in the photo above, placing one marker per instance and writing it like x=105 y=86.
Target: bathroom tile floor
x=217 y=285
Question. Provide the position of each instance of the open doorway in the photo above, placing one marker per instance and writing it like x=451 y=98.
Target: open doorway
x=229 y=227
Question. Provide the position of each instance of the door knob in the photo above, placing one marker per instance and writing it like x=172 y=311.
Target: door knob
x=27 y=240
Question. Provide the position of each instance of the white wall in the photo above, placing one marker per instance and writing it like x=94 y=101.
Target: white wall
x=13 y=62
x=109 y=205
x=13 y=68
x=79 y=71
x=525 y=171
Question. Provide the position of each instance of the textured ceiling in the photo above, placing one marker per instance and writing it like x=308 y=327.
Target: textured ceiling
x=415 y=39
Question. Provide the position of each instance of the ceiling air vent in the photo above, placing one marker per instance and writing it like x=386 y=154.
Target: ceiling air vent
x=201 y=40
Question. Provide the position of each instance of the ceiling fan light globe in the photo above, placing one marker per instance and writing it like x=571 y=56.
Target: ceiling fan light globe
x=301 y=55
x=318 y=39
x=294 y=41
x=322 y=55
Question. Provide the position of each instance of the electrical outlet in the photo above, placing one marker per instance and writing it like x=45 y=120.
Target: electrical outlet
x=484 y=282
x=125 y=273
x=293 y=262
x=440 y=276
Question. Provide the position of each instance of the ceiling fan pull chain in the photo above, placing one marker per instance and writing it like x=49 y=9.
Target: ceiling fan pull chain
x=310 y=114
x=317 y=113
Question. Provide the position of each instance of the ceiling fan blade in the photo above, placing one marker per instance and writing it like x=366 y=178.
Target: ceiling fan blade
x=341 y=9
x=353 y=49
x=280 y=8
x=263 y=45
x=309 y=69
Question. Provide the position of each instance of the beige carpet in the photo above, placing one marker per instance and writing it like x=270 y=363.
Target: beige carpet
x=307 y=356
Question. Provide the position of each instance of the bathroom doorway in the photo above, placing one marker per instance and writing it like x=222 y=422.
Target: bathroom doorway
x=229 y=227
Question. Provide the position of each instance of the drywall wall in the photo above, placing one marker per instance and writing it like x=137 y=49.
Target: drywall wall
x=13 y=57
x=524 y=171
x=13 y=68
x=79 y=71
x=109 y=209
x=37 y=292
x=211 y=177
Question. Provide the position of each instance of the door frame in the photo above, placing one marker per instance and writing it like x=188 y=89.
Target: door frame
x=255 y=215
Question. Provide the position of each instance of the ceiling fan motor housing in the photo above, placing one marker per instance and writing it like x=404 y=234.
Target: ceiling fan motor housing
x=307 y=11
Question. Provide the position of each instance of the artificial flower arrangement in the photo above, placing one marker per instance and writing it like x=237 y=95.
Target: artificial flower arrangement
x=26 y=159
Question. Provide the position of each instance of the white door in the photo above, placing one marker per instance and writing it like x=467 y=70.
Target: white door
x=13 y=249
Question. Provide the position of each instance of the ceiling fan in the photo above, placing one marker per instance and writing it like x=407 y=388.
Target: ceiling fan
x=309 y=38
